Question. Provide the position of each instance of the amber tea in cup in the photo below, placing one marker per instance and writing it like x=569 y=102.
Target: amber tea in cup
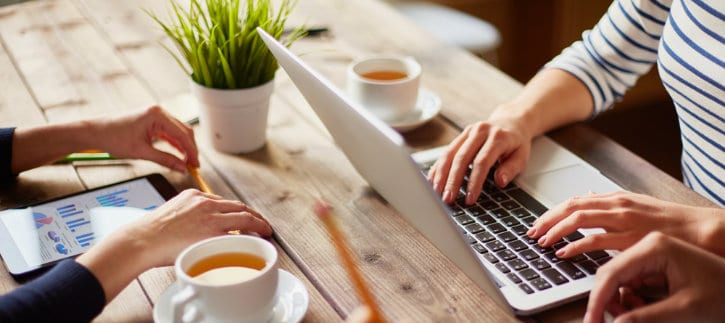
x=384 y=75
x=386 y=86
x=226 y=268
x=226 y=279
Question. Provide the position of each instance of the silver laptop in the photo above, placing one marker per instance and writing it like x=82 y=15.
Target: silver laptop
x=487 y=241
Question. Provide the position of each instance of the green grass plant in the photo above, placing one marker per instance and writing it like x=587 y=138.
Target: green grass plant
x=218 y=44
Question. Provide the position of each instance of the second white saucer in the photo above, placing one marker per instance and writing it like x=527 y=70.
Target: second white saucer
x=426 y=108
x=290 y=307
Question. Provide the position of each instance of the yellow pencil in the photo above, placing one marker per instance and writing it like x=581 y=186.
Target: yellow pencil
x=323 y=211
x=203 y=186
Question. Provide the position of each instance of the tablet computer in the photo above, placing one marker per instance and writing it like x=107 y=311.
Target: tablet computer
x=42 y=234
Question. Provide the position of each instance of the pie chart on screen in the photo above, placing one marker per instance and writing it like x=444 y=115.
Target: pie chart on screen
x=41 y=219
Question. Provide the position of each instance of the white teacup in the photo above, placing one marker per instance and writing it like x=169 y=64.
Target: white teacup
x=229 y=293
x=385 y=85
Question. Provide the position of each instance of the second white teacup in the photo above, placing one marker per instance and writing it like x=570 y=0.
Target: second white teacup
x=226 y=279
x=387 y=86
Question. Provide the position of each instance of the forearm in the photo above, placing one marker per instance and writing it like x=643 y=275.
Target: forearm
x=36 y=146
x=117 y=260
x=551 y=99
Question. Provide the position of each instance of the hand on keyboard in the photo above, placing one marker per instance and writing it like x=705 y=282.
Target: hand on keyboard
x=482 y=145
x=627 y=217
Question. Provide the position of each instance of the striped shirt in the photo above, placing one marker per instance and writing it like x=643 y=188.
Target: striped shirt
x=686 y=38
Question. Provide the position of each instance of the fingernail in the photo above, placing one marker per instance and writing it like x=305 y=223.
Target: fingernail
x=446 y=196
x=469 y=198
x=542 y=240
x=504 y=179
x=531 y=232
x=586 y=317
x=560 y=253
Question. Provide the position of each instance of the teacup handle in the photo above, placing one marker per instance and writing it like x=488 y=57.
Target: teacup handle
x=179 y=303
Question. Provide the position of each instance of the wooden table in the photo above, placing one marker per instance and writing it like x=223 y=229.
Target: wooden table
x=70 y=59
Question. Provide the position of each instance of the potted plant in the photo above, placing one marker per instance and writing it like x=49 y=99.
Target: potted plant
x=231 y=70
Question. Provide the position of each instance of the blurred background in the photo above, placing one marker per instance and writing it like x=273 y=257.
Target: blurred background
x=533 y=32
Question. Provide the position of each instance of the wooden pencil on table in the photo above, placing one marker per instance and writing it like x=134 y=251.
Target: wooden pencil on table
x=323 y=211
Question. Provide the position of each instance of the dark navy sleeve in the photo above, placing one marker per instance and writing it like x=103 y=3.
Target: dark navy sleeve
x=6 y=154
x=69 y=292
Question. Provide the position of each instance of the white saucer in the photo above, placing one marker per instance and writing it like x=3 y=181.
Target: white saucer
x=291 y=306
x=427 y=107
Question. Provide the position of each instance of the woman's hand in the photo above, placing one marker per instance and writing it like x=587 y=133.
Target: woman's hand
x=132 y=136
x=693 y=279
x=157 y=238
x=501 y=139
x=627 y=217
x=192 y=216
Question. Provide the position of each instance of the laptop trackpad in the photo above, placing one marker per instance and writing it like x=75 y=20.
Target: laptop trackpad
x=556 y=186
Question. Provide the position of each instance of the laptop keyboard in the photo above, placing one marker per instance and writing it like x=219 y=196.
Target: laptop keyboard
x=495 y=227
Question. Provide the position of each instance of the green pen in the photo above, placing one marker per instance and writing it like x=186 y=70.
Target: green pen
x=85 y=157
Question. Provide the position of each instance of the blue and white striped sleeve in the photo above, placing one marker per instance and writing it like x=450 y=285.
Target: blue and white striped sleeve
x=617 y=51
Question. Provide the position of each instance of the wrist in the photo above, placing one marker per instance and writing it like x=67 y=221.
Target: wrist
x=117 y=260
x=712 y=231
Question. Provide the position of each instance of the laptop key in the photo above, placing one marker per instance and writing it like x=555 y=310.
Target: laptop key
x=489 y=205
x=514 y=278
x=578 y=258
x=474 y=228
x=486 y=219
x=479 y=248
x=495 y=245
x=528 y=274
x=499 y=213
x=530 y=241
x=597 y=254
x=510 y=205
x=554 y=276
x=470 y=239
x=518 y=245
x=539 y=264
x=529 y=255
x=463 y=219
x=506 y=254
x=540 y=284
x=476 y=211
x=499 y=197
x=456 y=210
x=603 y=261
x=485 y=236
x=527 y=201
x=520 y=230
x=529 y=220
x=520 y=213
x=502 y=267
x=541 y=249
x=496 y=228
x=507 y=236
x=589 y=266
x=552 y=258
x=517 y=265
x=526 y=288
x=510 y=221
x=490 y=258
x=570 y=270
x=574 y=236
x=559 y=245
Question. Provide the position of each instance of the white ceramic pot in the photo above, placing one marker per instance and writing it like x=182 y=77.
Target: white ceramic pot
x=235 y=121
